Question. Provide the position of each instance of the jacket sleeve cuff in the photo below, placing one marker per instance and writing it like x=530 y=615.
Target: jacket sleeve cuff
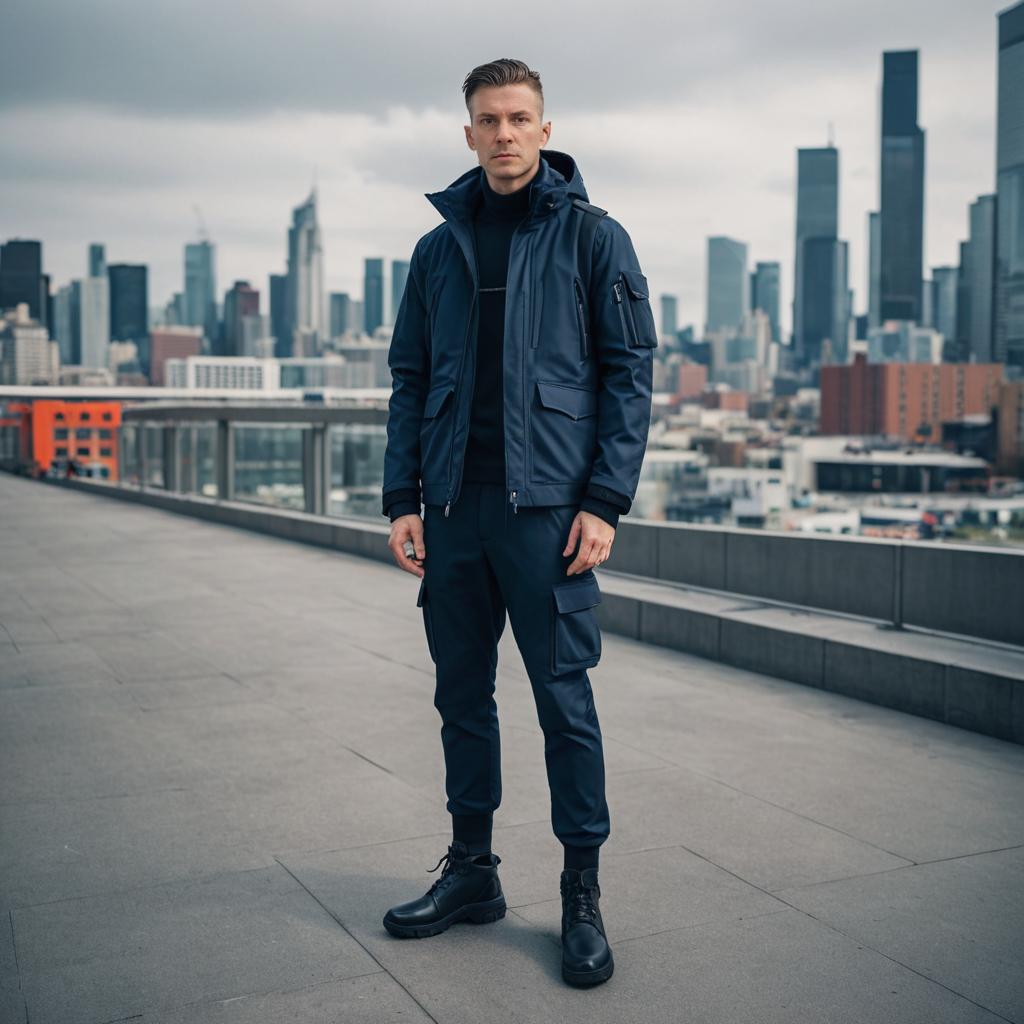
x=406 y=495
x=619 y=501
x=602 y=509
x=403 y=508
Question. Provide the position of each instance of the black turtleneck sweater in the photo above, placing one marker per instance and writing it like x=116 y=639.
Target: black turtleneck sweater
x=495 y=219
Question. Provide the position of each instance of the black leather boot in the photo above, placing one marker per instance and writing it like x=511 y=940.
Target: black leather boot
x=586 y=955
x=468 y=890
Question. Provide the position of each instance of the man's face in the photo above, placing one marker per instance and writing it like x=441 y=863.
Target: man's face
x=507 y=133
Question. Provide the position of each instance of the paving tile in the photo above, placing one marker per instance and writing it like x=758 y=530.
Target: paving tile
x=49 y=664
x=369 y=999
x=152 y=949
x=960 y=921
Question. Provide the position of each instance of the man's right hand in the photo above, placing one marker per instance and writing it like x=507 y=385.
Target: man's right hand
x=408 y=527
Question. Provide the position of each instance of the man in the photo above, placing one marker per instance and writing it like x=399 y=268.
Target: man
x=519 y=417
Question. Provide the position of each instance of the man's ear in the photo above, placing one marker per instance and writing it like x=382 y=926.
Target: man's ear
x=469 y=137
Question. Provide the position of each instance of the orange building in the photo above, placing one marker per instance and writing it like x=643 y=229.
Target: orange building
x=52 y=430
x=910 y=401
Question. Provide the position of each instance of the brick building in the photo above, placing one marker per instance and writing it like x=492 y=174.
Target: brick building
x=910 y=401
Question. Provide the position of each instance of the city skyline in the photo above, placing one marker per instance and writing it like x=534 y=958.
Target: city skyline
x=373 y=168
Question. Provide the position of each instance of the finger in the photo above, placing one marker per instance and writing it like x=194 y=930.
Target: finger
x=581 y=562
x=416 y=529
x=574 y=532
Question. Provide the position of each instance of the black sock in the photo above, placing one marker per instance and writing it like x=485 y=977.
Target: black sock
x=474 y=830
x=579 y=858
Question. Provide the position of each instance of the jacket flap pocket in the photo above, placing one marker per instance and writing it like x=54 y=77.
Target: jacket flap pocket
x=573 y=401
x=435 y=399
x=575 y=596
x=636 y=283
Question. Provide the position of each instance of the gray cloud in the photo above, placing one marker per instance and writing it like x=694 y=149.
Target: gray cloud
x=116 y=118
x=232 y=59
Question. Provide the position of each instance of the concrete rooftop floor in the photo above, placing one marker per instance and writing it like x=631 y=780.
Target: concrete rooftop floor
x=221 y=764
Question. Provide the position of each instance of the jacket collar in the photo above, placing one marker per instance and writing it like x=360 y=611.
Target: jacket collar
x=557 y=181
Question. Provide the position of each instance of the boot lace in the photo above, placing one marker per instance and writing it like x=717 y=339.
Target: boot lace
x=581 y=904
x=447 y=873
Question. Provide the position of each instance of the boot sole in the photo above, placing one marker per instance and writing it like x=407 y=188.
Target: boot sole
x=583 y=978
x=474 y=913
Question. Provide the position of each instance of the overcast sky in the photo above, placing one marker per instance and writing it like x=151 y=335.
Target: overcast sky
x=118 y=118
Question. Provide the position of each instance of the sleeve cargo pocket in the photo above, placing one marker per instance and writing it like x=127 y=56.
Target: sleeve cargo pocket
x=575 y=636
x=640 y=327
x=428 y=626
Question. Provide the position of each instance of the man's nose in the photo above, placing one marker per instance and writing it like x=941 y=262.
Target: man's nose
x=504 y=129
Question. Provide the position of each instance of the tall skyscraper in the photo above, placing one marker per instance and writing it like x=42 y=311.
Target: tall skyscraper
x=373 y=295
x=129 y=307
x=67 y=323
x=669 y=315
x=727 y=283
x=874 y=269
x=97 y=259
x=820 y=292
x=944 y=281
x=279 y=315
x=764 y=294
x=341 y=313
x=963 y=304
x=399 y=273
x=1009 y=268
x=901 y=229
x=305 y=294
x=981 y=278
x=22 y=278
x=95 y=311
x=241 y=301
x=201 y=288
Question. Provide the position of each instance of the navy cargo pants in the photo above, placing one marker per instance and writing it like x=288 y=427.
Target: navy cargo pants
x=481 y=560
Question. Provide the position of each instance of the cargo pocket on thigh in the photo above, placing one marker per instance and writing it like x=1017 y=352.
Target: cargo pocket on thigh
x=575 y=635
x=423 y=602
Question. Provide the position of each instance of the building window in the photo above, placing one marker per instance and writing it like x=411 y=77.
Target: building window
x=60 y=417
x=85 y=417
x=83 y=433
x=105 y=435
x=82 y=451
x=61 y=449
x=106 y=451
x=61 y=434
x=107 y=417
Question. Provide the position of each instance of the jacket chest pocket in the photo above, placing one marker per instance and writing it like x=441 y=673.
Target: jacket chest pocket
x=575 y=634
x=631 y=296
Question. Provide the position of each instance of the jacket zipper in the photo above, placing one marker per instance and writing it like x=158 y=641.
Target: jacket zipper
x=584 y=342
x=627 y=332
x=455 y=410
x=513 y=494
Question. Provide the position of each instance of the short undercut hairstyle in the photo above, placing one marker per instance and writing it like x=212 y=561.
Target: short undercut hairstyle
x=506 y=71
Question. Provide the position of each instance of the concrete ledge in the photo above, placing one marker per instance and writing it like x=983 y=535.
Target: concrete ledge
x=971 y=685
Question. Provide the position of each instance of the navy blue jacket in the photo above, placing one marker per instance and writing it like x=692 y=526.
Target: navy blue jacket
x=577 y=362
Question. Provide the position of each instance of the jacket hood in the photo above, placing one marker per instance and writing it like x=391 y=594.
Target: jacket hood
x=558 y=180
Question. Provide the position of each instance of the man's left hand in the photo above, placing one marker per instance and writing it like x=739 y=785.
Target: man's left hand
x=595 y=538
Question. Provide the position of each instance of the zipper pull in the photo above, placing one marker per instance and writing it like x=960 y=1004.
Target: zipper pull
x=447 y=507
x=515 y=503
x=617 y=288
